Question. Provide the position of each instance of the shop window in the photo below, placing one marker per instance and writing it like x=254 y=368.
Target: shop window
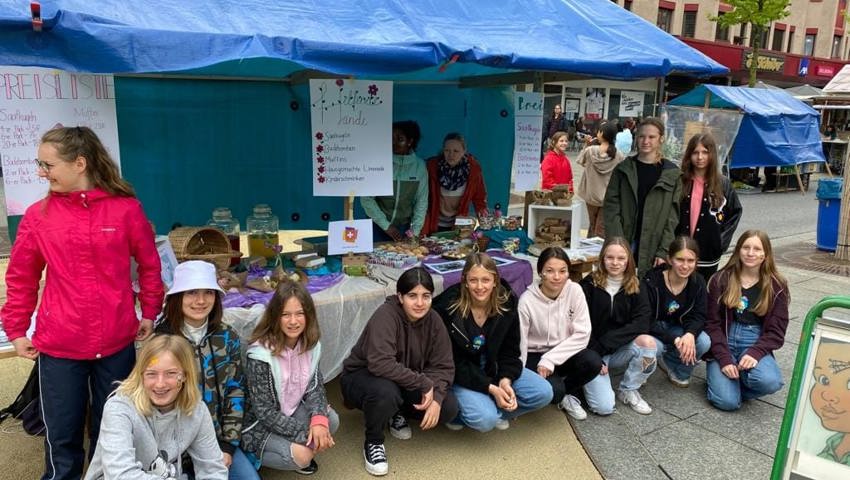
x=645 y=109
x=809 y=44
x=765 y=32
x=790 y=40
x=778 y=38
x=689 y=24
x=836 y=46
x=665 y=19
x=722 y=33
x=739 y=40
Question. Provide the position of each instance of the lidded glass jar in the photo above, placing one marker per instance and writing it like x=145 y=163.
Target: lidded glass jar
x=262 y=232
x=223 y=219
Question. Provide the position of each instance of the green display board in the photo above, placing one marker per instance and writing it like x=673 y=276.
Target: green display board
x=814 y=441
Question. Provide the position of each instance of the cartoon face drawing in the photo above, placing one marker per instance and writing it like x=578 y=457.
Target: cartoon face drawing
x=830 y=395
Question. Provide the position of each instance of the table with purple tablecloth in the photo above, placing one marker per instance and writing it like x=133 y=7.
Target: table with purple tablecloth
x=518 y=274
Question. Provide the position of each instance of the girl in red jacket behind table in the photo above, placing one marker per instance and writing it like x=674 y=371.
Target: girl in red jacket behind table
x=555 y=168
x=455 y=182
x=747 y=318
x=84 y=232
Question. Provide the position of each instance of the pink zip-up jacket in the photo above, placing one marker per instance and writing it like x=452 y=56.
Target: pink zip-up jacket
x=560 y=328
x=85 y=239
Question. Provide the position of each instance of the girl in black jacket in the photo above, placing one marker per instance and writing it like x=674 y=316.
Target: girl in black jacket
x=709 y=210
x=490 y=382
x=620 y=318
x=678 y=301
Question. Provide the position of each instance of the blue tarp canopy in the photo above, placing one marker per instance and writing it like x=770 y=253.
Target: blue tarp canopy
x=777 y=129
x=190 y=143
x=392 y=39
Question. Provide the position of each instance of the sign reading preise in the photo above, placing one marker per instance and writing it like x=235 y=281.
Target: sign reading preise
x=351 y=131
x=34 y=100
x=528 y=135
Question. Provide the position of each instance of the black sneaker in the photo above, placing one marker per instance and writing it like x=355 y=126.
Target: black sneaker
x=309 y=469
x=399 y=428
x=376 y=458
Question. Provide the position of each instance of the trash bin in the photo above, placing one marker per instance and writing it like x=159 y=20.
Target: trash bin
x=829 y=212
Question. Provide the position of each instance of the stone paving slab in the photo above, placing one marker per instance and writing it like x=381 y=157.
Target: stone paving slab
x=686 y=451
x=755 y=425
x=615 y=449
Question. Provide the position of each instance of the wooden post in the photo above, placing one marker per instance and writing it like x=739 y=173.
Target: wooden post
x=799 y=179
x=842 y=250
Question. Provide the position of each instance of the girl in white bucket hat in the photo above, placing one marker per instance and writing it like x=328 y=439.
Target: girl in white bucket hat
x=194 y=310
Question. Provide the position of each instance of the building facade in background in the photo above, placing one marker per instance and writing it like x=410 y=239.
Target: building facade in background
x=807 y=47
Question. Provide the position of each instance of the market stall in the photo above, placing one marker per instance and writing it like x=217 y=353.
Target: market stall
x=776 y=130
x=214 y=98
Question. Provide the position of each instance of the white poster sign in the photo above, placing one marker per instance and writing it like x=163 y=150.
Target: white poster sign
x=631 y=104
x=349 y=236
x=351 y=124
x=528 y=134
x=34 y=100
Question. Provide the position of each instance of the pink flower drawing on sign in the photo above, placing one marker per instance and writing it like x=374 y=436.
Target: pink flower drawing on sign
x=340 y=82
x=320 y=136
x=320 y=159
x=373 y=90
x=320 y=148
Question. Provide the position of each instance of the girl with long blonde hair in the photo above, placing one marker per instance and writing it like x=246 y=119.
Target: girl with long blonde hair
x=620 y=320
x=491 y=384
x=747 y=318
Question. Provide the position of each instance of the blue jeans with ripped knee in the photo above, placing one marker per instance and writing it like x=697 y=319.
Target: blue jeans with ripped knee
x=638 y=363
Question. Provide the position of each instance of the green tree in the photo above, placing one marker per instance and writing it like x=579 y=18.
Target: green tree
x=759 y=14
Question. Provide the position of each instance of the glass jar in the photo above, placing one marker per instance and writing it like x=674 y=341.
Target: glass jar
x=224 y=221
x=262 y=232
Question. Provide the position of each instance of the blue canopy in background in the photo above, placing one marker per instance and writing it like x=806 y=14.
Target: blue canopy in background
x=190 y=143
x=777 y=129
x=392 y=38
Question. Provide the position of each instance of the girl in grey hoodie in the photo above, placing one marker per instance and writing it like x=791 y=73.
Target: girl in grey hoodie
x=154 y=417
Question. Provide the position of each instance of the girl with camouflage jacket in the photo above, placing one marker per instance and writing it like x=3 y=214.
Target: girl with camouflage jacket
x=193 y=310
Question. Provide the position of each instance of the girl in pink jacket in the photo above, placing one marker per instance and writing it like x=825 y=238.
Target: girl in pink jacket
x=84 y=232
x=555 y=330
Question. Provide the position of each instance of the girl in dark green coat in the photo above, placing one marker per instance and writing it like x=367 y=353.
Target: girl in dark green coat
x=642 y=200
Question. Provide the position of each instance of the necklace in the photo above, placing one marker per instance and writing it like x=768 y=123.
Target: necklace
x=479 y=316
x=748 y=282
x=674 y=289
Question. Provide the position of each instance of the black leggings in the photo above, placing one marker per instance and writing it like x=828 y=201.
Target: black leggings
x=380 y=399
x=570 y=376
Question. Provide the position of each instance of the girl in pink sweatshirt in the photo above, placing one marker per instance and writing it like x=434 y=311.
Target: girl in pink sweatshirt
x=555 y=330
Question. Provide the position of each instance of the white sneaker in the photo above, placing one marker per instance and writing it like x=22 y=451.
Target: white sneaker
x=455 y=427
x=572 y=406
x=399 y=428
x=376 y=459
x=503 y=424
x=633 y=399
x=672 y=376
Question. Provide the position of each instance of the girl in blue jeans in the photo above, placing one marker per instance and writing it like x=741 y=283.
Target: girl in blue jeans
x=490 y=382
x=747 y=318
x=678 y=299
x=619 y=317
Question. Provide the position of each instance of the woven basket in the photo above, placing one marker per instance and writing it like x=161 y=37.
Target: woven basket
x=202 y=243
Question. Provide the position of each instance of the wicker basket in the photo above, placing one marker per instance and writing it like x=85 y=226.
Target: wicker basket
x=202 y=243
